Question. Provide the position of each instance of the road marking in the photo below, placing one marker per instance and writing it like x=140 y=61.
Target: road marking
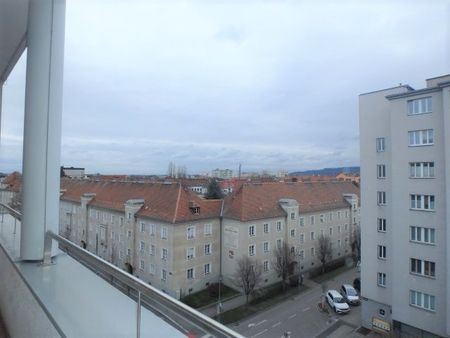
x=276 y=324
x=251 y=324
x=292 y=316
x=306 y=309
x=259 y=333
x=262 y=321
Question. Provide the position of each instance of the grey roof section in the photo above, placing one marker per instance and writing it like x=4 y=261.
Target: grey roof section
x=414 y=93
x=407 y=87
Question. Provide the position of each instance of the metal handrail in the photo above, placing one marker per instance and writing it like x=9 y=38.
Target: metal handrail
x=98 y=264
x=13 y=212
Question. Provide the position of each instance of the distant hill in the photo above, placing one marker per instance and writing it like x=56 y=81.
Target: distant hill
x=327 y=171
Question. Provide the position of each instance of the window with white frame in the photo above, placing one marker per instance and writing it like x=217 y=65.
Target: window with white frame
x=266 y=247
x=151 y=269
x=339 y=243
x=422 y=267
x=141 y=265
x=121 y=221
x=331 y=231
x=251 y=250
x=142 y=227
x=190 y=232
x=301 y=254
x=302 y=221
x=312 y=220
x=151 y=229
x=207 y=268
x=322 y=218
x=164 y=232
x=251 y=230
x=266 y=228
x=207 y=230
x=292 y=250
x=381 y=171
x=421 y=169
x=421 y=137
x=339 y=215
x=190 y=253
x=121 y=238
x=419 y=106
x=302 y=238
x=207 y=249
x=128 y=252
x=313 y=252
x=112 y=235
x=163 y=275
x=129 y=215
x=141 y=246
x=129 y=233
x=331 y=216
x=422 y=234
x=381 y=279
x=120 y=254
x=380 y=144
x=422 y=202
x=152 y=249
x=381 y=197
x=292 y=233
x=339 y=229
x=346 y=227
x=292 y=215
x=381 y=249
x=278 y=226
x=346 y=214
x=381 y=224
x=164 y=254
x=312 y=235
x=266 y=266
x=279 y=243
x=422 y=300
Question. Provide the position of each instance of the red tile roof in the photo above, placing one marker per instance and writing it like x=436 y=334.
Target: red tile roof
x=167 y=202
x=13 y=181
x=258 y=201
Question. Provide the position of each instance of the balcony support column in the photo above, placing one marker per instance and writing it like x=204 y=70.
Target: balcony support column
x=42 y=127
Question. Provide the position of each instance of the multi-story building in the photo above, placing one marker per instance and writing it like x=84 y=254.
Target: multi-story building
x=222 y=173
x=405 y=168
x=171 y=238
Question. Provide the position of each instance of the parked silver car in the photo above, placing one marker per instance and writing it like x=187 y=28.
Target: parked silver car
x=350 y=294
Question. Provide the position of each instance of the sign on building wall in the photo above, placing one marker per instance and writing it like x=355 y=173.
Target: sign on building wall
x=381 y=325
x=231 y=237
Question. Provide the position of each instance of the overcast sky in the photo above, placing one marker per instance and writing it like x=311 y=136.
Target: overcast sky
x=269 y=84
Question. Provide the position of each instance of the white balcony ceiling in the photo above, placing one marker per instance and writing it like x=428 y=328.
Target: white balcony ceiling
x=13 y=28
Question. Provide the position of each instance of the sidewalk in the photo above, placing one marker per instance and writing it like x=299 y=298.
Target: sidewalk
x=234 y=302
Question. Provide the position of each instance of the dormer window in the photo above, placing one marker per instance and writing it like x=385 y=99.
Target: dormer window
x=194 y=207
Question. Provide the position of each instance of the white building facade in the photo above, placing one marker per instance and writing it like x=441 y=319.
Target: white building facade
x=405 y=170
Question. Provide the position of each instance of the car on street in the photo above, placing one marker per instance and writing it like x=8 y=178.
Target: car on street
x=337 y=302
x=350 y=295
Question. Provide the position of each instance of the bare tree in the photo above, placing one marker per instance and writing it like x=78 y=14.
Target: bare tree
x=248 y=275
x=284 y=262
x=325 y=251
x=356 y=243
x=171 y=170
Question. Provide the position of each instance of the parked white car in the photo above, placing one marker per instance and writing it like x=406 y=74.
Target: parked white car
x=337 y=302
x=350 y=294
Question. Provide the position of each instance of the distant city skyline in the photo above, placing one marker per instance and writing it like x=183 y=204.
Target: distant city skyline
x=271 y=85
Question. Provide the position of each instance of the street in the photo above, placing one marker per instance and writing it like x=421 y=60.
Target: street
x=301 y=317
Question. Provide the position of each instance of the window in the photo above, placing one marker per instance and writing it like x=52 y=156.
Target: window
x=339 y=229
x=331 y=231
x=152 y=269
x=423 y=267
x=345 y=227
x=381 y=144
x=207 y=268
x=251 y=230
x=152 y=229
x=301 y=254
x=313 y=252
x=266 y=266
x=279 y=243
x=266 y=228
x=190 y=232
x=142 y=227
x=292 y=215
x=422 y=202
x=278 y=226
x=141 y=246
x=292 y=250
x=381 y=252
x=331 y=216
x=381 y=171
x=152 y=250
x=419 y=106
x=422 y=235
x=312 y=220
x=190 y=253
x=322 y=218
x=421 y=137
x=141 y=265
x=312 y=235
x=207 y=249
x=120 y=254
x=292 y=233
x=266 y=247
x=251 y=250
x=113 y=218
x=164 y=254
x=302 y=221
x=381 y=280
x=121 y=221
x=381 y=197
x=421 y=169
x=346 y=214
x=207 y=230
x=129 y=233
x=381 y=222
x=164 y=232
x=302 y=238
x=339 y=215
x=112 y=235
x=163 y=275
x=128 y=252
x=422 y=300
